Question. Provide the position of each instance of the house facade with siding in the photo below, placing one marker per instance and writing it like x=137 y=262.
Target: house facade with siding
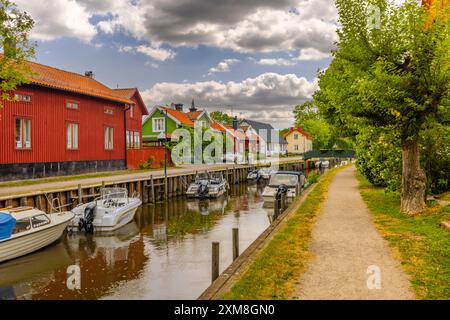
x=66 y=123
x=298 y=141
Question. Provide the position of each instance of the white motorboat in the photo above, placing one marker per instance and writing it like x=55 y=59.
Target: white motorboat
x=322 y=164
x=266 y=173
x=294 y=182
x=207 y=185
x=254 y=175
x=111 y=211
x=25 y=230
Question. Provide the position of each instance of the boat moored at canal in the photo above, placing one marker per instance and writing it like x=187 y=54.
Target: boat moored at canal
x=25 y=230
x=294 y=182
x=207 y=185
x=111 y=211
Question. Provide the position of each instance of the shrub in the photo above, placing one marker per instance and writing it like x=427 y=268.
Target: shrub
x=147 y=164
x=313 y=177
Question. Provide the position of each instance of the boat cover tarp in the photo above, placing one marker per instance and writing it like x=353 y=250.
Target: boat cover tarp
x=7 y=224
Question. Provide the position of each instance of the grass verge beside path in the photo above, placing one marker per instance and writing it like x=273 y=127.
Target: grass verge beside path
x=420 y=243
x=277 y=268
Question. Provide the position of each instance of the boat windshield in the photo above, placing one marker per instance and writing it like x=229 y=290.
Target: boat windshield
x=201 y=177
x=286 y=179
x=216 y=178
x=114 y=193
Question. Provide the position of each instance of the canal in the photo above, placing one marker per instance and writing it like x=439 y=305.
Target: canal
x=164 y=254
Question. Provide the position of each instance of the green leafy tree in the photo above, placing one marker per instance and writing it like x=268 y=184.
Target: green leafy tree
x=393 y=75
x=308 y=117
x=15 y=27
x=221 y=117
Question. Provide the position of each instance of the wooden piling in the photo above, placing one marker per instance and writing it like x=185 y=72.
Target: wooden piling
x=215 y=261
x=235 y=243
x=80 y=194
x=152 y=187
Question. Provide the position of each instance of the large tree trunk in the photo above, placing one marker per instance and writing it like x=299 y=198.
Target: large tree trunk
x=413 y=179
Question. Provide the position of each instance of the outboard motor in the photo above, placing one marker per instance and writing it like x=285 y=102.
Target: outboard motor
x=282 y=188
x=203 y=190
x=87 y=222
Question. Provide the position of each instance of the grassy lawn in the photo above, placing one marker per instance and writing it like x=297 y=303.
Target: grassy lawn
x=420 y=243
x=276 y=270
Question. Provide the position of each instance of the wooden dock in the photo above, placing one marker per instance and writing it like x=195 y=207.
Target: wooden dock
x=151 y=189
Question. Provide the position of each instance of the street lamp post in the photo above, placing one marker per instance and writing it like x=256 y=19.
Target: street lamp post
x=166 y=189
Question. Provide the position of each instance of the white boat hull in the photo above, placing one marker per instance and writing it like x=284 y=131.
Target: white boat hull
x=22 y=245
x=122 y=216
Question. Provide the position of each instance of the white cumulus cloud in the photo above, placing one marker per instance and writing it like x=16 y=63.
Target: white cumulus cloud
x=223 y=66
x=267 y=96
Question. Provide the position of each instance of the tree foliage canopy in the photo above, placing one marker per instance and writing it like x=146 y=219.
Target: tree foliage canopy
x=388 y=85
x=15 y=27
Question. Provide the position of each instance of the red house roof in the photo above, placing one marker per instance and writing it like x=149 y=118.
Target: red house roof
x=51 y=77
x=301 y=131
x=129 y=93
x=178 y=115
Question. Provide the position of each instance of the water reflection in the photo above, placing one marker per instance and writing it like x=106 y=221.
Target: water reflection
x=163 y=254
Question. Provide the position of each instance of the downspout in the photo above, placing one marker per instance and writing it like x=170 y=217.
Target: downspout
x=125 y=134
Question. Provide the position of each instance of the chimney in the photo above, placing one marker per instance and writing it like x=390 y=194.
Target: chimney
x=235 y=123
x=89 y=74
x=193 y=108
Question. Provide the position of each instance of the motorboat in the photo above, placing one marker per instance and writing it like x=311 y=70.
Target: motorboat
x=25 y=230
x=254 y=175
x=111 y=211
x=266 y=173
x=207 y=185
x=322 y=164
x=294 y=181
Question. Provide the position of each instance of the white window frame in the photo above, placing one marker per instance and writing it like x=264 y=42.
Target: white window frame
x=24 y=141
x=137 y=140
x=22 y=97
x=132 y=111
x=109 y=138
x=162 y=129
x=72 y=105
x=72 y=136
x=296 y=136
x=296 y=147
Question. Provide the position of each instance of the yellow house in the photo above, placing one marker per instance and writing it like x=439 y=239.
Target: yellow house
x=299 y=141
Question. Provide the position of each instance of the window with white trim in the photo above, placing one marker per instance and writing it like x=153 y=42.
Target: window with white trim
x=22 y=97
x=23 y=133
x=128 y=139
x=72 y=105
x=296 y=148
x=158 y=124
x=72 y=136
x=109 y=111
x=109 y=138
x=137 y=140
x=295 y=136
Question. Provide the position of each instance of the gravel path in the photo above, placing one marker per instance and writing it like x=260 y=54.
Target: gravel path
x=346 y=244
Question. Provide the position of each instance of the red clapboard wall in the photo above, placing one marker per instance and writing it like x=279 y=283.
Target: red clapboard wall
x=49 y=115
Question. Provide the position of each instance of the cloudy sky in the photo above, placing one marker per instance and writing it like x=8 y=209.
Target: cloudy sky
x=253 y=58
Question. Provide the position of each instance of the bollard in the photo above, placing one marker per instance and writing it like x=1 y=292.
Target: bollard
x=215 y=261
x=283 y=202
x=276 y=209
x=235 y=243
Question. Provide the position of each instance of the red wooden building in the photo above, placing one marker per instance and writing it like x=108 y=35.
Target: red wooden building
x=66 y=123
